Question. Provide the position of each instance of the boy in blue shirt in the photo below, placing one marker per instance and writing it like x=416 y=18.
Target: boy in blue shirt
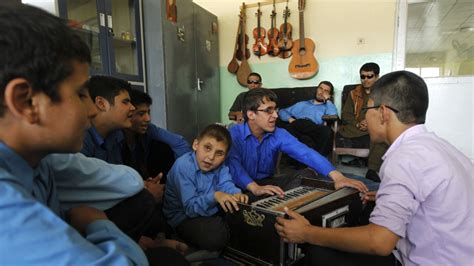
x=44 y=109
x=198 y=184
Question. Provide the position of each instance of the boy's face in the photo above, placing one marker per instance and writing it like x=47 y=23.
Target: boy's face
x=210 y=153
x=122 y=110
x=368 y=78
x=67 y=120
x=265 y=117
x=141 y=118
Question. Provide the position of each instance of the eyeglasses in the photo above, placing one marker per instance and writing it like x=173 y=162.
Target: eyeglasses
x=253 y=82
x=371 y=76
x=268 y=110
x=378 y=106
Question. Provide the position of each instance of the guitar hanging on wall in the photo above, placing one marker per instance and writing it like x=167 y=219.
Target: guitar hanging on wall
x=303 y=64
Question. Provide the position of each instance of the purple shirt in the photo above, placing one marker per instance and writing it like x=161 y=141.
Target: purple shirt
x=425 y=198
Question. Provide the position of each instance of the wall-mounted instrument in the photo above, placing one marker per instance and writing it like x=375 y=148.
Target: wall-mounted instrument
x=243 y=52
x=285 y=43
x=303 y=65
x=260 y=47
x=233 y=65
x=273 y=33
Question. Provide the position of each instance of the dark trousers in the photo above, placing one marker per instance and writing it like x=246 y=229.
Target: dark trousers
x=316 y=255
x=137 y=215
x=317 y=137
x=209 y=233
x=164 y=256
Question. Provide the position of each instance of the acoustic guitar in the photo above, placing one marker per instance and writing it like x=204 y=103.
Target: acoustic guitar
x=244 y=68
x=303 y=64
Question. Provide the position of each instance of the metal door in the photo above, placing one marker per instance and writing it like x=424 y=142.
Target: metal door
x=179 y=56
x=207 y=67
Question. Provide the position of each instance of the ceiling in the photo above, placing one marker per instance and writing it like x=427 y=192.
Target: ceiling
x=435 y=27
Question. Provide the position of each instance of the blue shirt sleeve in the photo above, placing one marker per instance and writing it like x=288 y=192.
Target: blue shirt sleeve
x=302 y=153
x=177 y=142
x=225 y=182
x=286 y=113
x=331 y=108
x=32 y=234
x=89 y=181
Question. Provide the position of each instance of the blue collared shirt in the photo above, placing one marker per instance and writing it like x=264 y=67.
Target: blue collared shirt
x=32 y=231
x=108 y=149
x=308 y=110
x=250 y=159
x=190 y=192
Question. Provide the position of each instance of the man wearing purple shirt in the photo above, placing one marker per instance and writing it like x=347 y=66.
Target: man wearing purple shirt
x=424 y=205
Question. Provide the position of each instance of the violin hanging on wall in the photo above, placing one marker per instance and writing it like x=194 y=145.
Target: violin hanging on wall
x=273 y=33
x=260 y=47
x=303 y=64
x=285 y=42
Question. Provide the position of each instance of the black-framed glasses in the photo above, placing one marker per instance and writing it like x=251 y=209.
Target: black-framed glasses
x=370 y=76
x=253 y=82
x=268 y=110
x=378 y=106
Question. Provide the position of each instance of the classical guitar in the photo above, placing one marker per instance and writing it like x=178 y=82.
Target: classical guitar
x=244 y=68
x=303 y=65
x=260 y=47
x=285 y=43
x=273 y=33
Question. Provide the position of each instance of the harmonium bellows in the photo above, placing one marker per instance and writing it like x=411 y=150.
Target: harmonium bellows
x=253 y=236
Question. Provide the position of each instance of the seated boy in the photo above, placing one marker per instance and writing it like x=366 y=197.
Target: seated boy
x=44 y=108
x=149 y=149
x=198 y=183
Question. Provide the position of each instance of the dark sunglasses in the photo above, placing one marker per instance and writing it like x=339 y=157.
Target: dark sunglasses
x=378 y=106
x=268 y=110
x=253 y=82
x=367 y=76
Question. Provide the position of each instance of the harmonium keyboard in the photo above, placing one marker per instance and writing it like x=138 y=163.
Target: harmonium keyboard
x=254 y=240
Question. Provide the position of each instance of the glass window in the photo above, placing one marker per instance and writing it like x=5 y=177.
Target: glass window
x=440 y=38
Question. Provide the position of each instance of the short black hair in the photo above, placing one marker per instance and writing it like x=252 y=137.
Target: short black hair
x=38 y=47
x=374 y=67
x=217 y=132
x=254 y=98
x=138 y=97
x=255 y=74
x=107 y=87
x=404 y=91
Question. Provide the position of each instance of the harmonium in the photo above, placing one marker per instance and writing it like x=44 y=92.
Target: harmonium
x=254 y=240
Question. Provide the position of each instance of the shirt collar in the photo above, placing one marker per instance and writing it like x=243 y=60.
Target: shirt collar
x=99 y=141
x=247 y=132
x=17 y=167
x=410 y=132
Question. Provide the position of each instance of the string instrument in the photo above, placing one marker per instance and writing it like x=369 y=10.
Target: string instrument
x=285 y=42
x=244 y=69
x=273 y=33
x=233 y=65
x=259 y=48
x=171 y=11
x=303 y=65
x=242 y=50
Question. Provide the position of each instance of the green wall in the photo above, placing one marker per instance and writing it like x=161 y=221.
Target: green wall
x=339 y=70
